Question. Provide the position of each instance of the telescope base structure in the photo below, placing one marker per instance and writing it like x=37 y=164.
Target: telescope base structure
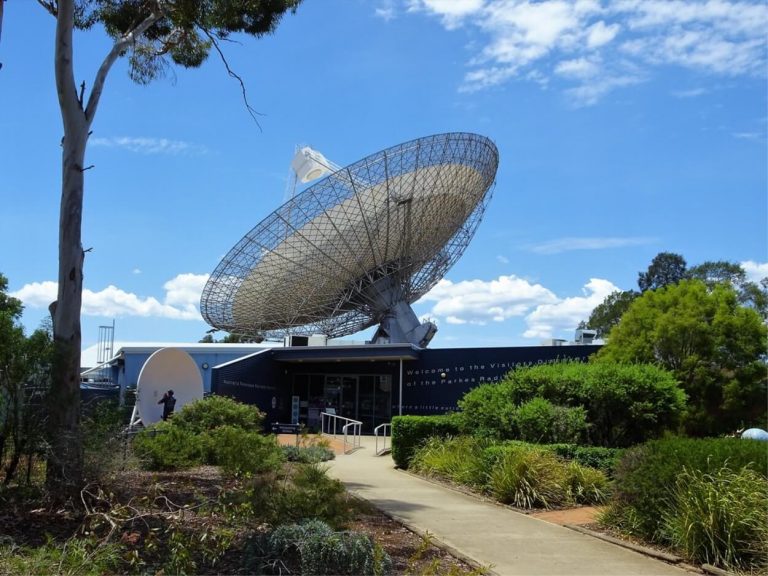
x=401 y=326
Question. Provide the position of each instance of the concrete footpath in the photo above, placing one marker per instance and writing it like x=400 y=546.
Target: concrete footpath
x=511 y=542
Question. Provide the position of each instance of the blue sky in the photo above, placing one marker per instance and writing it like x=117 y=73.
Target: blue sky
x=624 y=129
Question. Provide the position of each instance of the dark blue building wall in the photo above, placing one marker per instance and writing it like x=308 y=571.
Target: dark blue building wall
x=435 y=382
x=255 y=379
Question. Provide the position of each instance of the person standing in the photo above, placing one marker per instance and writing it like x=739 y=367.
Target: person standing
x=169 y=403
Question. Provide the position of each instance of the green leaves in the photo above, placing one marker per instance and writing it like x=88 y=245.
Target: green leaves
x=623 y=404
x=712 y=344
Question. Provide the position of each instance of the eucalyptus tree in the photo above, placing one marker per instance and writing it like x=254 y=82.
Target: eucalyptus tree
x=154 y=35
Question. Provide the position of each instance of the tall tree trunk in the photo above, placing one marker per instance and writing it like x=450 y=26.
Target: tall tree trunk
x=64 y=475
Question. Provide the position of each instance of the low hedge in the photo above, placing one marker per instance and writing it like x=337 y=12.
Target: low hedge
x=410 y=432
x=646 y=474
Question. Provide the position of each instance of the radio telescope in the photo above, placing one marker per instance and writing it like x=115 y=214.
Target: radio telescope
x=359 y=246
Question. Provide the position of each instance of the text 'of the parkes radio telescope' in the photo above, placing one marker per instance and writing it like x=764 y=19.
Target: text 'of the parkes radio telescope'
x=358 y=245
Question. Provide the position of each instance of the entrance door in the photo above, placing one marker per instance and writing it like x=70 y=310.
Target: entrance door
x=341 y=394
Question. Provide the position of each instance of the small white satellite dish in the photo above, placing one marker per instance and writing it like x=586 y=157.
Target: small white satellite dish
x=166 y=369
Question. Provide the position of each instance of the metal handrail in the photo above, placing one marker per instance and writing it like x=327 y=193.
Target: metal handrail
x=356 y=425
x=384 y=428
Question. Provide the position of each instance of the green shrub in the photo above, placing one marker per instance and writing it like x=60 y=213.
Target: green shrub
x=645 y=476
x=164 y=446
x=409 y=432
x=459 y=459
x=540 y=421
x=319 y=550
x=308 y=454
x=102 y=427
x=238 y=450
x=720 y=518
x=214 y=411
x=302 y=492
x=625 y=404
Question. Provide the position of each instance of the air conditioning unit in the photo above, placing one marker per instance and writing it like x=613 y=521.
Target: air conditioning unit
x=585 y=336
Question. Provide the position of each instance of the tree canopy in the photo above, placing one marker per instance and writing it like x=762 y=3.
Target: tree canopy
x=666 y=268
x=715 y=347
x=607 y=314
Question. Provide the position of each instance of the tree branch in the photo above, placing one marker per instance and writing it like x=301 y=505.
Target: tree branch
x=2 y=4
x=232 y=74
x=117 y=49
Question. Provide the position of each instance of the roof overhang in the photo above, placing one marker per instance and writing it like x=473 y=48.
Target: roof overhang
x=365 y=353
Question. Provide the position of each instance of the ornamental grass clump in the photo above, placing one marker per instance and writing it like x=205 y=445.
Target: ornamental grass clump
x=586 y=485
x=719 y=518
x=529 y=478
x=459 y=459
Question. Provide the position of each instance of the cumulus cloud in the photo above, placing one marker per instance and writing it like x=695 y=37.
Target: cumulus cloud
x=182 y=295
x=143 y=145
x=549 y=319
x=569 y=244
x=756 y=271
x=480 y=301
x=599 y=47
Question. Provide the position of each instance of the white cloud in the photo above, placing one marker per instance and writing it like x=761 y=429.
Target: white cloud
x=569 y=244
x=386 y=10
x=577 y=68
x=548 y=320
x=150 y=145
x=691 y=93
x=451 y=12
x=600 y=34
x=756 y=271
x=182 y=295
x=502 y=259
x=136 y=271
x=755 y=136
x=479 y=301
x=621 y=41
x=482 y=302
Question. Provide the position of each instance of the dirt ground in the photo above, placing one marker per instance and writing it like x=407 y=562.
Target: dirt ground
x=585 y=515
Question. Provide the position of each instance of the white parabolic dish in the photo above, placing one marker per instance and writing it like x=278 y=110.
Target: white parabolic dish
x=167 y=369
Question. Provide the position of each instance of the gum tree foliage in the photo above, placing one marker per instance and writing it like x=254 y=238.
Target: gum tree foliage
x=24 y=376
x=715 y=347
x=666 y=268
x=153 y=35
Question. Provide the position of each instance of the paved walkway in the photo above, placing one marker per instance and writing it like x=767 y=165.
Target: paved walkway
x=511 y=542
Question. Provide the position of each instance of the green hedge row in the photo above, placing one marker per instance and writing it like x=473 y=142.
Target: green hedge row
x=410 y=432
